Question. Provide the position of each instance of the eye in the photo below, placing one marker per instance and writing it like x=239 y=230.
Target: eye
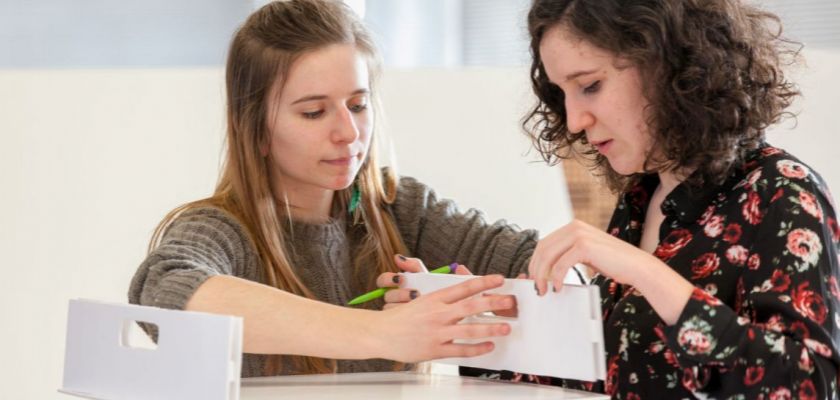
x=593 y=88
x=357 y=108
x=358 y=104
x=312 y=114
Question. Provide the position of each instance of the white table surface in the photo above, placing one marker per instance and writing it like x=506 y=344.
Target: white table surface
x=398 y=385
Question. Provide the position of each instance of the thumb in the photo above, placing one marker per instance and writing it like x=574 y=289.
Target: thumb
x=409 y=264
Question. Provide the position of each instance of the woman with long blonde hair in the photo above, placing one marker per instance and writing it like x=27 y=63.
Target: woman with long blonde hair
x=303 y=218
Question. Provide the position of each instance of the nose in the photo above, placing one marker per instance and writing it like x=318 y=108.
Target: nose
x=578 y=117
x=345 y=129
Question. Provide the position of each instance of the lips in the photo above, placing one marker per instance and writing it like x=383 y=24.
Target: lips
x=341 y=160
x=601 y=145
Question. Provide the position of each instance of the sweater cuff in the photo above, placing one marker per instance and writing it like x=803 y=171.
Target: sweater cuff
x=175 y=289
x=705 y=331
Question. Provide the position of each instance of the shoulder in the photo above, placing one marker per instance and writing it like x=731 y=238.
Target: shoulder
x=207 y=215
x=415 y=198
x=207 y=224
x=409 y=187
x=773 y=173
x=775 y=181
x=410 y=192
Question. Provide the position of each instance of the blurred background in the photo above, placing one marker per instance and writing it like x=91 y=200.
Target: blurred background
x=112 y=114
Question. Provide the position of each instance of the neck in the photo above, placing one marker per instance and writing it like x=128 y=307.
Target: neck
x=307 y=204
x=668 y=181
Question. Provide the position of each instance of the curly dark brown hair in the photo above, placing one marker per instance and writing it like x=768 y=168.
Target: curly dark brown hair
x=711 y=71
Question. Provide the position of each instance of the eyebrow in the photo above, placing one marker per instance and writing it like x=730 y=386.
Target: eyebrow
x=322 y=97
x=580 y=73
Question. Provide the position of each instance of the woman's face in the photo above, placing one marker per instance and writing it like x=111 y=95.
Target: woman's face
x=320 y=124
x=602 y=99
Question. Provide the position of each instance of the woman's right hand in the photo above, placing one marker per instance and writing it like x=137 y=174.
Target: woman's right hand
x=424 y=329
x=398 y=296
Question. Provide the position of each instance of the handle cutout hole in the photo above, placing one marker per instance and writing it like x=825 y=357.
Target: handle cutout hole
x=511 y=313
x=133 y=336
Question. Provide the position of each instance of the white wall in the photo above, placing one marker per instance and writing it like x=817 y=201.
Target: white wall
x=91 y=160
x=814 y=137
x=460 y=132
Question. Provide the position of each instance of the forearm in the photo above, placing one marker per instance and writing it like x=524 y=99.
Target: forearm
x=666 y=290
x=484 y=248
x=278 y=322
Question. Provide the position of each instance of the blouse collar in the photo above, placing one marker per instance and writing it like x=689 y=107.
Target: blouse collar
x=685 y=203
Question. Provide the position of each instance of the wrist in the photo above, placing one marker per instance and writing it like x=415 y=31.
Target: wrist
x=665 y=289
x=370 y=338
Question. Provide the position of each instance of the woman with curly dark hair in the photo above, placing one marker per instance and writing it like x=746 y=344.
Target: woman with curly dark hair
x=718 y=272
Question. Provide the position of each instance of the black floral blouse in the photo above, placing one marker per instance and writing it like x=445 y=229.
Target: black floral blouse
x=764 y=319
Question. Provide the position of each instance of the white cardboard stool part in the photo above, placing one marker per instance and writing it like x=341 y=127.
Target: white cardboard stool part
x=558 y=334
x=198 y=355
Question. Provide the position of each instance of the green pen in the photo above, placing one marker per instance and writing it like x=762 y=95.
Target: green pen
x=375 y=294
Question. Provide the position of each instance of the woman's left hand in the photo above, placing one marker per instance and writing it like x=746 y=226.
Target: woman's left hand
x=578 y=242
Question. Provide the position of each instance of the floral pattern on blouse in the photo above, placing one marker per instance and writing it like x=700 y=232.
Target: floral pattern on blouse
x=764 y=319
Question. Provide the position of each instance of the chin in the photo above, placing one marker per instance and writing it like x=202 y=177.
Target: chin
x=624 y=169
x=343 y=182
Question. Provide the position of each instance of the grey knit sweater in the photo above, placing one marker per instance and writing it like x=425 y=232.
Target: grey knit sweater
x=204 y=242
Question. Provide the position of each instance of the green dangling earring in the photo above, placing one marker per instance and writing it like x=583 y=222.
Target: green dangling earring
x=355 y=199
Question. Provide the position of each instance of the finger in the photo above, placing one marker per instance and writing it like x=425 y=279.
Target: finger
x=522 y=276
x=536 y=267
x=466 y=350
x=476 y=331
x=408 y=264
x=478 y=305
x=549 y=250
x=388 y=279
x=462 y=270
x=537 y=270
x=511 y=312
x=466 y=289
x=561 y=267
x=401 y=295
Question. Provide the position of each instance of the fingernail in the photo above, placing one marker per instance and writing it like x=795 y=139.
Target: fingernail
x=396 y=279
x=413 y=294
x=402 y=257
x=453 y=267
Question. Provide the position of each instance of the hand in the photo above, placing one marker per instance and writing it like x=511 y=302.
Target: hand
x=398 y=296
x=578 y=242
x=424 y=329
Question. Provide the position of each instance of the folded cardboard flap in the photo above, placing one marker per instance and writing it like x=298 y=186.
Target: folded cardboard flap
x=559 y=334
x=197 y=355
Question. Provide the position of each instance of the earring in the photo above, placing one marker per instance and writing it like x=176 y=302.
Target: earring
x=355 y=199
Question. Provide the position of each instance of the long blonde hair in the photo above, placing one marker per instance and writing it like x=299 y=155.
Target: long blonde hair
x=263 y=51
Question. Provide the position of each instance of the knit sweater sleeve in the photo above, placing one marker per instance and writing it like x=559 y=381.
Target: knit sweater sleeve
x=199 y=244
x=437 y=232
